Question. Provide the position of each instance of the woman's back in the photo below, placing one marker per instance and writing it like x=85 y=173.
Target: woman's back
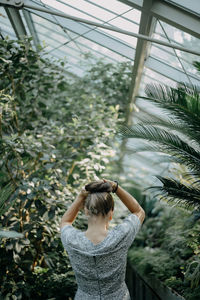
x=100 y=269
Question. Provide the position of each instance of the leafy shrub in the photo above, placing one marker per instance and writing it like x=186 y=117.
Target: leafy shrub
x=56 y=135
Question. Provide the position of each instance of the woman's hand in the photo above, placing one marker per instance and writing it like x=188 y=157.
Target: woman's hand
x=112 y=183
x=82 y=196
x=72 y=212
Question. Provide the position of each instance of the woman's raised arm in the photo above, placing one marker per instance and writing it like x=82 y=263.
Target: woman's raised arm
x=129 y=201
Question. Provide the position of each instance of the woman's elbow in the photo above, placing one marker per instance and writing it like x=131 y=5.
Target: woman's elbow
x=141 y=214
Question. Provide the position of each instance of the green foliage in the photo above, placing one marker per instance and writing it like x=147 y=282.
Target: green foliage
x=57 y=133
x=147 y=262
x=42 y=283
x=174 y=132
x=110 y=81
x=167 y=248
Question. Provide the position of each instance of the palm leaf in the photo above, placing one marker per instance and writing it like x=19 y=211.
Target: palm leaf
x=184 y=117
x=174 y=190
x=186 y=98
x=175 y=105
x=196 y=64
x=170 y=124
x=193 y=177
x=165 y=142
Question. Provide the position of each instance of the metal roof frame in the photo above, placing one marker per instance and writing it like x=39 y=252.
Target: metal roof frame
x=147 y=25
x=78 y=42
x=149 y=10
x=167 y=12
x=172 y=14
x=98 y=37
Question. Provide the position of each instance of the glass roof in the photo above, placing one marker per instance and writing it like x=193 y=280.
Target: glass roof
x=189 y=5
x=72 y=40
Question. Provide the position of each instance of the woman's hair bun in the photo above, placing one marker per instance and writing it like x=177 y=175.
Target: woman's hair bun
x=98 y=187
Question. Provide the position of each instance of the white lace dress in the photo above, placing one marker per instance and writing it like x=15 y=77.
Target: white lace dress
x=100 y=269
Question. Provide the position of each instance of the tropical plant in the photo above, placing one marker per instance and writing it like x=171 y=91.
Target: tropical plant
x=176 y=132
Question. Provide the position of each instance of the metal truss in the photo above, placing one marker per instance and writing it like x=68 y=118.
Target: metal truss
x=171 y=14
x=147 y=26
x=84 y=30
x=28 y=4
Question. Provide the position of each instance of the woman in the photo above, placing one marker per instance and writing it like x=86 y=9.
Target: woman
x=98 y=256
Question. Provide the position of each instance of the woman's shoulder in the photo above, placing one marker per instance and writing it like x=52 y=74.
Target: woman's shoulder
x=128 y=228
x=69 y=232
x=129 y=222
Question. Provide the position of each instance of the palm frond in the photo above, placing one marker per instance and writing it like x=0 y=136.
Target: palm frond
x=182 y=116
x=165 y=94
x=182 y=105
x=166 y=142
x=185 y=97
x=193 y=177
x=174 y=190
x=196 y=64
x=171 y=124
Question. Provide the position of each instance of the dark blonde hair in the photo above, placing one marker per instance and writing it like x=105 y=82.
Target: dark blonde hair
x=99 y=200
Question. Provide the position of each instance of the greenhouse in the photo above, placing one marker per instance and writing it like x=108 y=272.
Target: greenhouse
x=100 y=149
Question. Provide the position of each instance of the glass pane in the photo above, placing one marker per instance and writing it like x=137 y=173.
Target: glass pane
x=189 y=5
x=131 y=41
x=133 y=15
x=176 y=58
x=68 y=10
x=91 y=9
x=151 y=77
x=179 y=37
x=113 y=5
x=99 y=48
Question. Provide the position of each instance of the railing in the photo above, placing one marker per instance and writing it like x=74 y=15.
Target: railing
x=141 y=288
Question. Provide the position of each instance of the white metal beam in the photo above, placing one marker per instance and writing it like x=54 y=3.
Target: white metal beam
x=147 y=25
x=177 y=16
